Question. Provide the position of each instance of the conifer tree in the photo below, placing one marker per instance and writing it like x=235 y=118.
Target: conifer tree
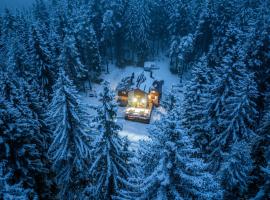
x=195 y=101
x=70 y=147
x=178 y=173
x=137 y=24
x=261 y=155
x=235 y=171
x=20 y=136
x=110 y=164
x=88 y=46
x=9 y=191
x=180 y=19
x=70 y=58
x=232 y=112
x=41 y=60
x=108 y=28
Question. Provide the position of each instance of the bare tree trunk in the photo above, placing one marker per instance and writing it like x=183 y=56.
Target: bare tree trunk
x=107 y=66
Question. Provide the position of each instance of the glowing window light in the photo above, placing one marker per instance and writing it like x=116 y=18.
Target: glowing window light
x=143 y=101
x=135 y=100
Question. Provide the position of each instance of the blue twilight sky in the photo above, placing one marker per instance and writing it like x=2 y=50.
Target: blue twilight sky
x=14 y=4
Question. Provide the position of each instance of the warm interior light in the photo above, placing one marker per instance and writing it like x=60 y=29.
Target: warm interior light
x=135 y=100
x=143 y=101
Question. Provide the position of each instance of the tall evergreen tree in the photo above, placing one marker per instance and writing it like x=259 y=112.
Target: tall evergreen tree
x=20 y=136
x=11 y=192
x=178 y=174
x=110 y=165
x=70 y=58
x=195 y=100
x=137 y=26
x=232 y=111
x=235 y=171
x=180 y=19
x=41 y=60
x=87 y=43
x=70 y=147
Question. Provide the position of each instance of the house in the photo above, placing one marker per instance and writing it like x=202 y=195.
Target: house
x=139 y=97
x=139 y=107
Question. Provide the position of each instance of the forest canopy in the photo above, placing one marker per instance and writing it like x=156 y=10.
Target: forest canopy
x=214 y=143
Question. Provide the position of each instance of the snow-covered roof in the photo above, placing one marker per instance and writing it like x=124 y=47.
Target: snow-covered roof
x=147 y=84
x=149 y=64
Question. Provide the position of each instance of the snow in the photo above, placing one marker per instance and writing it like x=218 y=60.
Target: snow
x=136 y=131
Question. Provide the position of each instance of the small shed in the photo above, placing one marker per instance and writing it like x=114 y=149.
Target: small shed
x=123 y=88
x=155 y=92
x=149 y=66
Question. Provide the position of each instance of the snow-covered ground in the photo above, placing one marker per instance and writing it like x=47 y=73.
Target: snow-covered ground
x=135 y=131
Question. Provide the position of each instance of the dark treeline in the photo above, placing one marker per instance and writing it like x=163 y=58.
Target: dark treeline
x=214 y=145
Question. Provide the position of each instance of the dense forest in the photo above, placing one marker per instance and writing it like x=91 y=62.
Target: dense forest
x=213 y=145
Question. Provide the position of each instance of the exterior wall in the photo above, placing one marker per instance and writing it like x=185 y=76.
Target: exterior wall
x=139 y=95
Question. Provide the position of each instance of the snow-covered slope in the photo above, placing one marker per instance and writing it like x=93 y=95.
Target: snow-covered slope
x=135 y=131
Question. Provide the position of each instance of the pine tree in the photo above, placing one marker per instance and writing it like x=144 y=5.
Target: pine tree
x=203 y=36
x=41 y=60
x=158 y=31
x=70 y=58
x=235 y=171
x=70 y=147
x=41 y=13
x=180 y=19
x=87 y=43
x=11 y=192
x=98 y=9
x=20 y=135
x=261 y=155
x=108 y=28
x=195 y=100
x=15 y=54
x=178 y=173
x=9 y=25
x=233 y=111
x=37 y=104
x=137 y=25
x=110 y=164
x=181 y=54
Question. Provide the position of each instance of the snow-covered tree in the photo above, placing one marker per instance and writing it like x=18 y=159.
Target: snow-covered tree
x=9 y=25
x=40 y=12
x=235 y=171
x=108 y=28
x=204 y=31
x=41 y=60
x=21 y=143
x=87 y=43
x=158 y=31
x=180 y=18
x=110 y=164
x=171 y=99
x=195 y=100
x=15 y=49
x=178 y=173
x=70 y=147
x=239 y=115
x=70 y=59
x=137 y=24
x=261 y=154
x=181 y=54
x=12 y=191
x=232 y=109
